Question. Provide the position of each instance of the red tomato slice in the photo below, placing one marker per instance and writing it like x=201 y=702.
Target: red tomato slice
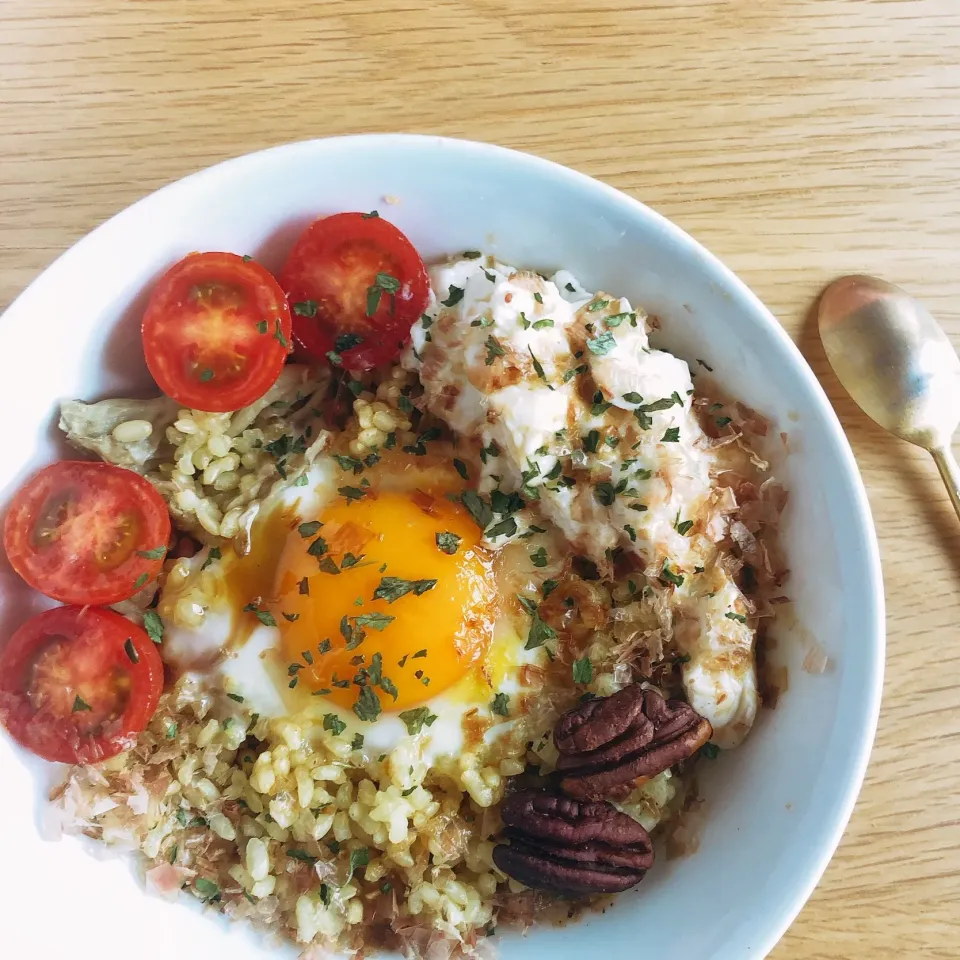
x=77 y=684
x=87 y=533
x=216 y=332
x=356 y=285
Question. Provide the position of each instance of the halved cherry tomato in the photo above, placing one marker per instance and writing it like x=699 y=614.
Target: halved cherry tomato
x=77 y=684
x=87 y=532
x=216 y=332
x=356 y=285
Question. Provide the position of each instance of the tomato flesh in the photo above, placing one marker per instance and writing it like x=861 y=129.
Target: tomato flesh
x=356 y=285
x=78 y=684
x=216 y=332
x=87 y=533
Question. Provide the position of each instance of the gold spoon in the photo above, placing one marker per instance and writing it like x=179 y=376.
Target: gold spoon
x=897 y=364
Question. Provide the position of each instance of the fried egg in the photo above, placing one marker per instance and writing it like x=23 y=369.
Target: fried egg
x=368 y=604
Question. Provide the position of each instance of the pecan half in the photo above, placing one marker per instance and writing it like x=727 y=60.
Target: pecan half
x=607 y=745
x=571 y=847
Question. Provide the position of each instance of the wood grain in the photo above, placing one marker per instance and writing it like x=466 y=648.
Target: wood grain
x=797 y=139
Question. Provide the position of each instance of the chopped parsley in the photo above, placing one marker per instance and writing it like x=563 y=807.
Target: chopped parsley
x=153 y=625
x=602 y=344
x=505 y=528
x=547 y=587
x=540 y=633
x=309 y=528
x=280 y=338
x=723 y=421
x=501 y=705
x=305 y=308
x=672 y=435
x=417 y=719
x=668 y=575
x=367 y=706
x=302 y=855
x=264 y=616
x=357 y=742
x=591 y=441
x=448 y=543
x=494 y=349
x=683 y=526
x=378 y=621
x=739 y=617
x=630 y=532
x=454 y=296
x=359 y=857
x=461 y=468
x=597 y=305
x=710 y=750
x=207 y=889
x=212 y=555
x=393 y=588
x=582 y=670
x=539 y=557
x=382 y=283
x=80 y=705
x=155 y=554
x=542 y=324
x=351 y=493
x=333 y=723
x=304 y=587
x=140 y=581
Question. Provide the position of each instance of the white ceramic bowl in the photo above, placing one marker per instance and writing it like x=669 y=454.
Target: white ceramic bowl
x=777 y=805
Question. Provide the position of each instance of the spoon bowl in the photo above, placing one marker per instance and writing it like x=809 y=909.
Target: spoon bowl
x=897 y=363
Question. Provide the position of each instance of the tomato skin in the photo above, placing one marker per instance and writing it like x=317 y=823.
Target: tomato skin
x=73 y=532
x=216 y=332
x=69 y=690
x=327 y=279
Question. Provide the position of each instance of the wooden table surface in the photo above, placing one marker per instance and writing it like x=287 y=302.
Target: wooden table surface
x=797 y=139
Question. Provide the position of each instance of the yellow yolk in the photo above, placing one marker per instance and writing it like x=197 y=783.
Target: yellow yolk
x=427 y=635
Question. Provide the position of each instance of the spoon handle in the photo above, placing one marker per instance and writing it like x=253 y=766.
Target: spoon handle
x=950 y=472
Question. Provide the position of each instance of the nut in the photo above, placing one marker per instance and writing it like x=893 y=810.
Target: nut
x=570 y=847
x=608 y=745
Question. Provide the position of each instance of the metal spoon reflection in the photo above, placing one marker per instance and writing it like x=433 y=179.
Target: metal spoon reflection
x=896 y=362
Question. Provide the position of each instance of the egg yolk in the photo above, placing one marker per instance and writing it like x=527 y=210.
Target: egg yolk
x=391 y=591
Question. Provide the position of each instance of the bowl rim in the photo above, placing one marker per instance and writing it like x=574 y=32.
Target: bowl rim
x=770 y=930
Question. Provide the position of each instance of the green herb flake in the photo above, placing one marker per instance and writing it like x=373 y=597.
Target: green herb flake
x=547 y=587
x=448 y=543
x=303 y=587
x=539 y=557
x=539 y=634
x=494 y=349
x=392 y=589
x=603 y=344
x=333 y=723
x=501 y=705
x=723 y=421
x=417 y=719
x=461 y=468
x=739 y=617
x=372 y=215
x=382 y=283
x=672 y=435
x=357 y=742
x=710 y=750
x=454 y=296
x=139 y=582
x=351 y=493
x=153 y=625
x=377 y=621
x=309 y=528
x=280 y=338
x=582 y=671
x=80 y=705
x=359 y=857
x=669 y=576
x=630 y=532
x=543 y=324
x=367 y=706
x=155 y=554
x=597 y=305
x=591 y=441
x=305 y=308
x=207 y=889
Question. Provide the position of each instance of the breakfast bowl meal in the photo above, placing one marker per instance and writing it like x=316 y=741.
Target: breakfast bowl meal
x=414 y=547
